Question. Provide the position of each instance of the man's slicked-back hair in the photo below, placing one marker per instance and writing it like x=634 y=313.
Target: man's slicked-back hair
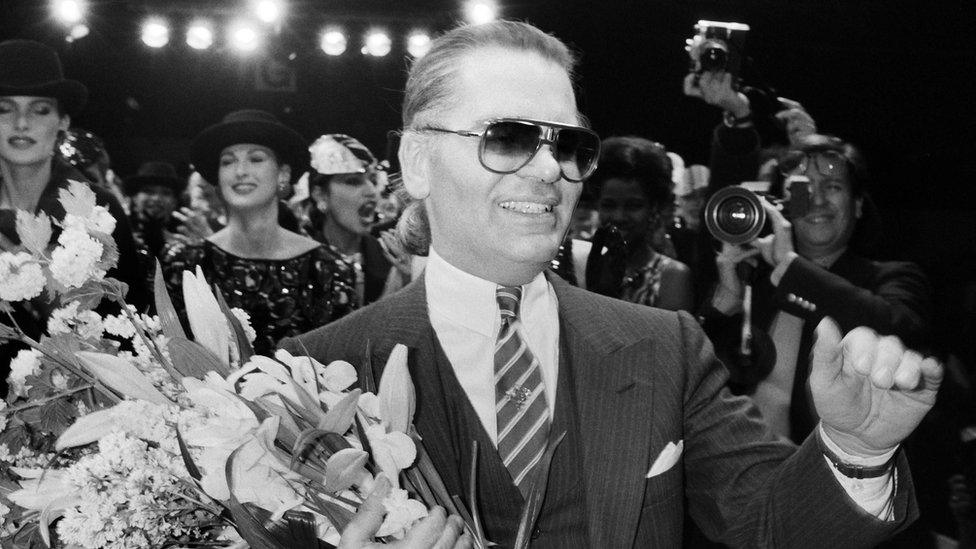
x=431 y=77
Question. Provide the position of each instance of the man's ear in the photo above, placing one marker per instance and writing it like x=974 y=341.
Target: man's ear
x=414 y=164
x=858 y=207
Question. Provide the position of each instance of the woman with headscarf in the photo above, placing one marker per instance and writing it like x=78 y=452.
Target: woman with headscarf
x=344 y=196
x=287 y=283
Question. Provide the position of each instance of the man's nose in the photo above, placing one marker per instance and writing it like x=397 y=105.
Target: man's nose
x=21 y=122
x=817 y=195
x=543 y=165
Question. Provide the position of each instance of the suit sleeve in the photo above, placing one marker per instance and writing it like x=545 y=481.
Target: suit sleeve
x=746 y=488
x=897 y=302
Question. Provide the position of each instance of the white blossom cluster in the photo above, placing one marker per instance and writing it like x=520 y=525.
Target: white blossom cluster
x=67 y=319
x=26 y=363
x=131 y=496
x=76 y=259
x=21 y=277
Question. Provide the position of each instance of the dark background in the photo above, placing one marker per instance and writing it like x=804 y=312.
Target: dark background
x=896 y=77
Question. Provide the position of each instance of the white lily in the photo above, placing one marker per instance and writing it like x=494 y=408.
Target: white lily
x=207 y=321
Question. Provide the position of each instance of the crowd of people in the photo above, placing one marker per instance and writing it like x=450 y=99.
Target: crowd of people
x=502 y=186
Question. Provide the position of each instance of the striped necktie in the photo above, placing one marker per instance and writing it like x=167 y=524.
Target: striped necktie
x=520 y=400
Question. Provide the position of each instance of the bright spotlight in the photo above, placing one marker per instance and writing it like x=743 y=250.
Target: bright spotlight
x=268 y=11
x=78 y=32
x=155 y=33
x=244 y=37
x=377 y=44
x=418 y=43
x=69 y=12
x=481 y=11
x=199 y=35
x=333 y=42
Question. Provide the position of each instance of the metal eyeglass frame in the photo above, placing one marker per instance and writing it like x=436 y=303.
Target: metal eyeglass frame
x=548 y=137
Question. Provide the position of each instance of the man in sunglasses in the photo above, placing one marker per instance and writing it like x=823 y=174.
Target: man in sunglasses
x=509 y=356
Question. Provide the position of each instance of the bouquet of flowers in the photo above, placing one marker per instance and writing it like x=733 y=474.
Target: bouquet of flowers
x=121 y=430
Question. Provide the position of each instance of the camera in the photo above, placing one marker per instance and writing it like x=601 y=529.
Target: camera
x=717 y=46
x=735 y=214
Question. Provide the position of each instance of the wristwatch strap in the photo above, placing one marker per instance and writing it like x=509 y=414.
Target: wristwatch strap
x=851 y=470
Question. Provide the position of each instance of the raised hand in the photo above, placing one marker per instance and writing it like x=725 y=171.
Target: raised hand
x=869 y=391
x=796 y=120
x=715 y=88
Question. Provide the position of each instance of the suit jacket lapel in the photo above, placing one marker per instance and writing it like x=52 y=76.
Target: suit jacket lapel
x=409 y=324
x=614 y=408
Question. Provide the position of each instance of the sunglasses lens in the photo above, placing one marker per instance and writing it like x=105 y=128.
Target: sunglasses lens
x=828 y=162
x=793 y=163
x=507 y=146
x=577 y=151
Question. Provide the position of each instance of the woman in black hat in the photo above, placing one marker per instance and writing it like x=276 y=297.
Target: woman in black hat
x=36 y=104
x=286 y=282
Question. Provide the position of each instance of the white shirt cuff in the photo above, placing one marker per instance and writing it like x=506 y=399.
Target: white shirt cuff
x=874 y=495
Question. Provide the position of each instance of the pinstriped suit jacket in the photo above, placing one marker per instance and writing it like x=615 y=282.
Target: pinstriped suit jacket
x=644 y=377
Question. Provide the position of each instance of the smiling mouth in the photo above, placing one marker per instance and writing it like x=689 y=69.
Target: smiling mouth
x=527 y=207
x=21 y=142
x=243 y=187
x=367 y=212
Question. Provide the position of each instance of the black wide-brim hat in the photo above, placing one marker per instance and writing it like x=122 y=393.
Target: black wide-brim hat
x=33 y=69
x=248 y=126
x=153 y=173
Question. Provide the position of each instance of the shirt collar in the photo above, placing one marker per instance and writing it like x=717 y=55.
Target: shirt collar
x=469 y=301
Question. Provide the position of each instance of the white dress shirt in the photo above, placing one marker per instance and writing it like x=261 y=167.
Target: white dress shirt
x=465 y=316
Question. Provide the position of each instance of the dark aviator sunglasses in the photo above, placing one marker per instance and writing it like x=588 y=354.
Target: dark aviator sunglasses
x=508 y=144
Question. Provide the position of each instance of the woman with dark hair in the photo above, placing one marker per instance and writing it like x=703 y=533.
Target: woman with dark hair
x=36 y=105
x=343 y=211
x=287 y=283
x=634 y=195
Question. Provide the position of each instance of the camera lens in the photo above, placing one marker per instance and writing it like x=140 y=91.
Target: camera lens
x=734 y=215
x=714 y=55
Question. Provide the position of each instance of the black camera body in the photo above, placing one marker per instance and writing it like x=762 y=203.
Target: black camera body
x=735 y=214
x=717 y=46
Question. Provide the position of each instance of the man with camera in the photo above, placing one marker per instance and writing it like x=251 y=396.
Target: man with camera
x=805 y=269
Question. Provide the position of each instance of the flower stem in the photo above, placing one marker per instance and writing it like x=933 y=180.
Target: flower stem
x=30 y=342
x=151 y=345
x=45 y=400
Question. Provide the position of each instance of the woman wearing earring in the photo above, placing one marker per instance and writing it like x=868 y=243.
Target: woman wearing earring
x=634 y=190
x=344 y=196
x=286 y=282
x=36 y=105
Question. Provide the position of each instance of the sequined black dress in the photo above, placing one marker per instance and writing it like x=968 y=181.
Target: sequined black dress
x=283 y=297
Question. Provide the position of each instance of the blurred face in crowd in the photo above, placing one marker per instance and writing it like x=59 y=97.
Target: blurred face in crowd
x=623 y=203
x=834 y=210
x=154 y=202
x=349 y=200
x=29 y=129
x=488 y=224
x=249 y=175
x=690 y=208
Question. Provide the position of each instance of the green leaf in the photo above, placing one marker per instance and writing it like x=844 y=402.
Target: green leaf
x=34 y=231
x=537 y=492
x=339 y=419
x=52 y=417
x=63 y=346
x=87 y=429
x=194 y=360
x=120 y=375
x=366 y=370
x=191 y=466
x=168 y=318
x=77 y=199
x=244 y=347
x=88 y=295
x=110 y=250
x=15 y=436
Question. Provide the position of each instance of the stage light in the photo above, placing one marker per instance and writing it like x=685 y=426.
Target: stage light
x=480 y=11
x=68 y=12
x=418 y=43
x=244 y=37
x=155 y=33
x=199 y=35
x=268 y=11
x=77 y=32
x=333 y=42
x=377 y=43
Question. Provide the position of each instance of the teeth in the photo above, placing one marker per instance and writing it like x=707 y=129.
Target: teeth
x=527 y=207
